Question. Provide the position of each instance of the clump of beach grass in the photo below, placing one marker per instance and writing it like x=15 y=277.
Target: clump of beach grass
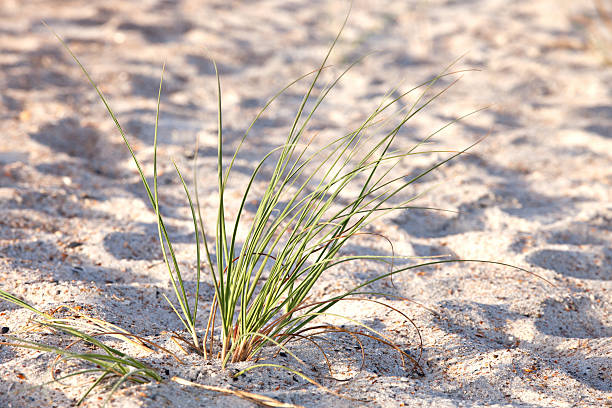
x=105 y=363
x=264 y=280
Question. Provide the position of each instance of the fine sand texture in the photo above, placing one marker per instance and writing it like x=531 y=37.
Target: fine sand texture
x=76 y=227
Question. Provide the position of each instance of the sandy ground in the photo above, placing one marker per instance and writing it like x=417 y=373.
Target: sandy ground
x=75 y=227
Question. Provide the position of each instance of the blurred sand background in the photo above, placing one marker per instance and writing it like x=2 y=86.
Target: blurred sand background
x=76 y=229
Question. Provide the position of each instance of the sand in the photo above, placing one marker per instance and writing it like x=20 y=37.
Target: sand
x=76 y=229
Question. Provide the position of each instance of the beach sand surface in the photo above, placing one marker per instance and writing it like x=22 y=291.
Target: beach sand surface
x=76 y=228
